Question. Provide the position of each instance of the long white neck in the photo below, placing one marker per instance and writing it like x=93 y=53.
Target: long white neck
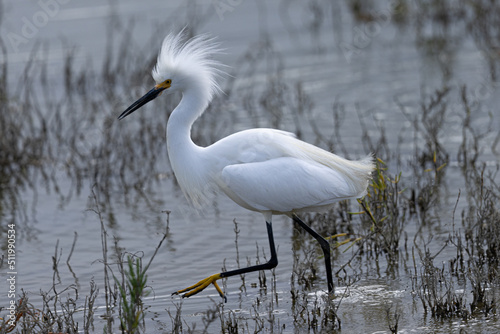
x=185 y=156
x=182 y=118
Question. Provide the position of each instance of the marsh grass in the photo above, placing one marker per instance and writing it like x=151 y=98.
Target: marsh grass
x=45 y=134
x=132 y=290
x=61 y=307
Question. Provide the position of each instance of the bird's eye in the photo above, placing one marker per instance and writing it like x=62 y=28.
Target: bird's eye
x=168 y=82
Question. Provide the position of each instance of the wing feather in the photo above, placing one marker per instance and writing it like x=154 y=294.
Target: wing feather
x=285 y=184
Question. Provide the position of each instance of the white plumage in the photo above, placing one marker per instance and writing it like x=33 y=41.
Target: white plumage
x=264 y=170
x=201 y=170
x=273 y=171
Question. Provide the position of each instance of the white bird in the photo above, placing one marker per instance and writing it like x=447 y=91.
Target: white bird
x=264 y=170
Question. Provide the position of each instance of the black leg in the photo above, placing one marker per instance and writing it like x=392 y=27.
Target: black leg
x=272 y=263
x=325 y=246
x=201 y=285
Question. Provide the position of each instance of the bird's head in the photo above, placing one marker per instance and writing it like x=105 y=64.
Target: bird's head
x=183 y=65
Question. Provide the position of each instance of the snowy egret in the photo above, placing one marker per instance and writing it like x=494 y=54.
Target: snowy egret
x=264 y=170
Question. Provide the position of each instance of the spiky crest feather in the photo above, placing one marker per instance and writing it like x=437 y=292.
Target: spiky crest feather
x=189 y=58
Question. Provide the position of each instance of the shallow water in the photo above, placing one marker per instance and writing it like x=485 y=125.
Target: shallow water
x=386 y=66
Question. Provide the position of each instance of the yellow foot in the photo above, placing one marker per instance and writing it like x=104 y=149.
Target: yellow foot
x=200 y=286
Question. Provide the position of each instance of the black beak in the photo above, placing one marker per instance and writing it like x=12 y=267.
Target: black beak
x=149 y=96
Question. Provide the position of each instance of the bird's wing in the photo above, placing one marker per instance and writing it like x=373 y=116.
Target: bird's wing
x=285 y=184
